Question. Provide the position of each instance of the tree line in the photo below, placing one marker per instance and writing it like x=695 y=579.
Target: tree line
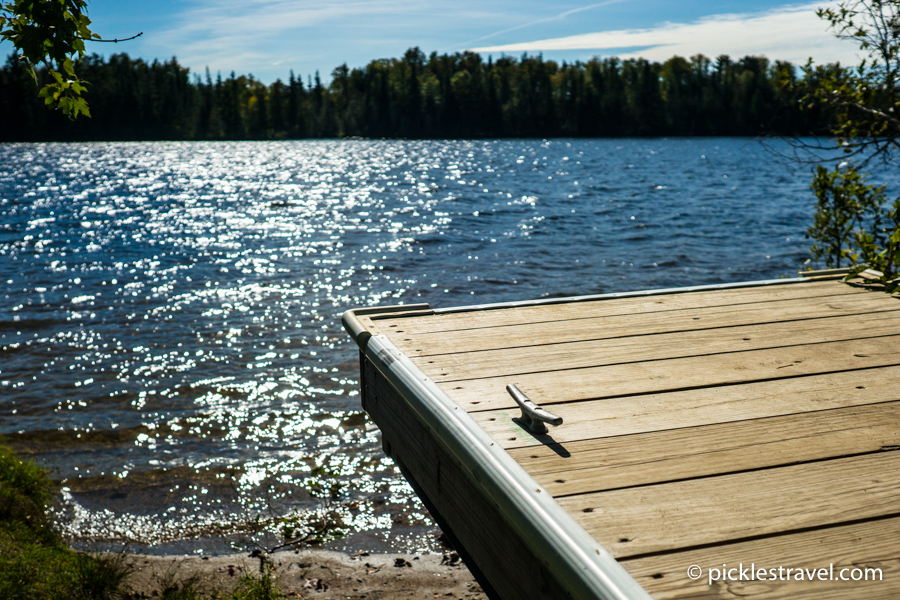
x=457 y=95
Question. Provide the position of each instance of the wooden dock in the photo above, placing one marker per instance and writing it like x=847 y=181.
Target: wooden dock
x=713 y=427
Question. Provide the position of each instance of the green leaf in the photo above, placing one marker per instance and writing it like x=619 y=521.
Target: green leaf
x=51 y=33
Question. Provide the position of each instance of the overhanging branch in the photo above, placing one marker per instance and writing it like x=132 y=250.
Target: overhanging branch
x=116 y=41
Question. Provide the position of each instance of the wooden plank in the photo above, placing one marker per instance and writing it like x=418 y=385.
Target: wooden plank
x=675 y=374
x=370 y=321
x=650 y=458
x=619 y=326
x=496 y=548
x=594 y=353
x=654 y=412
x=613 y=306
x=677 y=515
x=872 y=544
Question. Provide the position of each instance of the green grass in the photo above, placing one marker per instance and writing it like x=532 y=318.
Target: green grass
x=258 y=587
x=253 y=586
x=187 y=588
x=36 y=564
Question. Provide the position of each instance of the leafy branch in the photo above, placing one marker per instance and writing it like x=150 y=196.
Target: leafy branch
x=116 y=41
x=52 y=33
x=862 y=100
x=851 y=220
x=845 y=203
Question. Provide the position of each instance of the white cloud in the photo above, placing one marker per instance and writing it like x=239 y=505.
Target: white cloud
x=791 y=33
x=557 y=17
x=248 y=34
x=254 y=35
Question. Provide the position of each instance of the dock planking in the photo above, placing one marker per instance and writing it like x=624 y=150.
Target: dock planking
x=531 y=335
x=710 y=510
x=872 y=544
x=619 y=416
x=689 y=453
x=721 y=426
x=546 y=358
x=460 y=321
x=694 y=372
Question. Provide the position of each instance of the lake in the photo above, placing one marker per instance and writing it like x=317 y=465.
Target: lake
x=170 y=338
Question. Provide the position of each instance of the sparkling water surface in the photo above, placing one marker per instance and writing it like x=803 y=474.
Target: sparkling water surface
x=170 y=338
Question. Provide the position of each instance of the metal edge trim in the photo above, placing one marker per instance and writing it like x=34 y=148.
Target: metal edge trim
x=636 y=294
x=582 y=566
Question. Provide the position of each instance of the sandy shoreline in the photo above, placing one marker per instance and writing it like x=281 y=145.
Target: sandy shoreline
x=315 y=574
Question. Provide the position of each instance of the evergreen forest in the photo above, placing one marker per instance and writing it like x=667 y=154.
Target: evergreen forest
x=457 y=95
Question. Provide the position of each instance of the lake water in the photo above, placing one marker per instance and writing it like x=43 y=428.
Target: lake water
x=170 y=338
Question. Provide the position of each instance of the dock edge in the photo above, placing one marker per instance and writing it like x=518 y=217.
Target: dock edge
x=581 y=566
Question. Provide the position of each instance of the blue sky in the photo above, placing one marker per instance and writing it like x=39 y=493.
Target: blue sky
x=268 y=38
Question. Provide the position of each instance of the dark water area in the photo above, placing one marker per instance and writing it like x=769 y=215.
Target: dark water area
x=170 y=338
